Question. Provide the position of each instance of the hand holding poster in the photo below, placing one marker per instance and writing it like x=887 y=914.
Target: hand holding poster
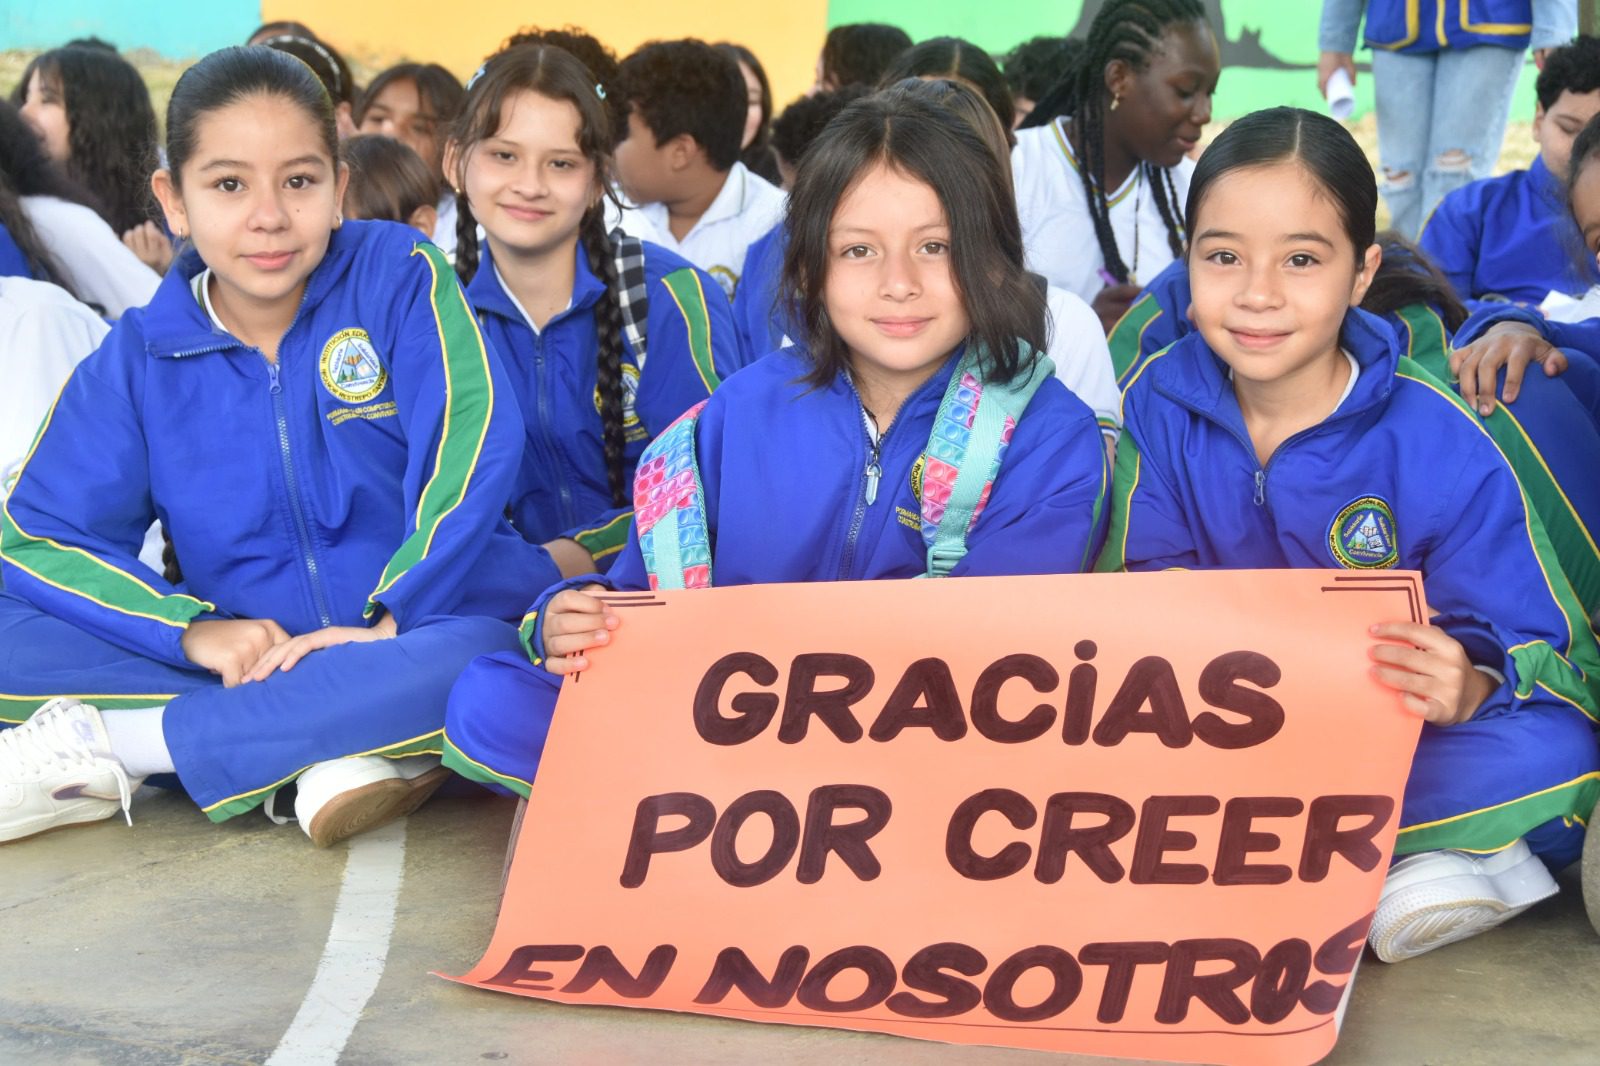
x=1144 y=815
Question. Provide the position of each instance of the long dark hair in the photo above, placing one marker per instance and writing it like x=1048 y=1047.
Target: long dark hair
x=111 y=127
x=229 y=75
x=324 y=60
x=555 y=74
x=938 y=147
x=961 y=60
x=758 y=155
x=26 y=171
x=387 y=179
x=1318 y=143
x=1129 y=30
x=1406 y=276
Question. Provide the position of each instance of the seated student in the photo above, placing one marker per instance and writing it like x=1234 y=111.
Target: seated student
x=1034 y=66
x=1100 y=164
x=757 y=311
x=416 y=103
x=1511 y=237
x=90 y=260
x=92 y=111
x=1287 y=431
x=891 y=355
x=755 y=149
x=312 y=414
x=389 y=181
x=606 y=342
x=1074 y=343
x=678 y=158
x=858 y=54
x=1549 y=435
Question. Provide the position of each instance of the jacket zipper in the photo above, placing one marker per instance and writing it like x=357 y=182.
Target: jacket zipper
x=871 y=474
x=302 y=530
x=569 y=518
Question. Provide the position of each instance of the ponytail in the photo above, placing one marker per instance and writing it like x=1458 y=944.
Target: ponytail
x=608 y=366
x=466 y=263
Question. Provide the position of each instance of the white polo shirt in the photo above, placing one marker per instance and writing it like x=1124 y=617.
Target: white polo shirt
x=1077 y=346
x=1057 y=233
x=746 y=208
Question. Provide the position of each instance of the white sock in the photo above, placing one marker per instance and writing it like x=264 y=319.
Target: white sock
x=138 y=740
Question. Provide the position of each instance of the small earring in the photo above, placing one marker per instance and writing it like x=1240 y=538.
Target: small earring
x=1115 y=100
x=338 y=220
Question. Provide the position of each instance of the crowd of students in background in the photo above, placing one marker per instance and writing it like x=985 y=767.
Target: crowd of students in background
x=398 y=377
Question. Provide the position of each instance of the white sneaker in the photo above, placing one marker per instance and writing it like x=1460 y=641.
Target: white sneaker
x=1440 y=897
x=56 y=770
x=342 y=797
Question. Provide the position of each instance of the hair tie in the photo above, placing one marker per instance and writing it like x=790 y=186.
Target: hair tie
x=476 y=75
x=600 y=90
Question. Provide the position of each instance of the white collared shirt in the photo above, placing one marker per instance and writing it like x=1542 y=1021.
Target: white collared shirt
x=1057 y=232
x=745 y=209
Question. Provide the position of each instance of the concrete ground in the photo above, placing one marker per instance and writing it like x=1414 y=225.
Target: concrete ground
x=179 y=943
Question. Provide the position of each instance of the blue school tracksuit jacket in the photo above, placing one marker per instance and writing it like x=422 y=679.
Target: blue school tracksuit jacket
x=1429 y=25
x=789 y=498
x=366 y=471
x=1400 y=475
x=12 y=262
x=1550 y=433
x=561 y=489
x=762 y=326
x=1509 y=238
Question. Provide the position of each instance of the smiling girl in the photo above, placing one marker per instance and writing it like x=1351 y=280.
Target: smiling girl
x=1100 y=166
x=850 y=456
x=606 y=339
x=309 y=409
x=1287 y=431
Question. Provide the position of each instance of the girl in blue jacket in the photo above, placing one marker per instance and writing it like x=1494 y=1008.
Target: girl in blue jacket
x=1287 y=431
x=313 y=415
x=839 y=458
x=606 y=339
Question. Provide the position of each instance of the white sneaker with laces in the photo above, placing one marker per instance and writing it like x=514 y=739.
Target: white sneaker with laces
x=342 y=797
x=57 y=770
x=1440 y=897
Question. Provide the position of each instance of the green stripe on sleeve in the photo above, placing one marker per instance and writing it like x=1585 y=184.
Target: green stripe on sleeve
x=1124 y=482
x=528 y=633
x=606 y=540
x=472 y=770
x=690 y=296
x=1128 y=334
x=469 y=404
x=1500 y=826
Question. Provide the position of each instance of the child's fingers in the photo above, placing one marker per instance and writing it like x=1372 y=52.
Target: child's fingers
x=1407 y=681
x=572 y=643
x=561 y=623
x=1431 y=710
x=564 y=664
x=1419 y=634
x=1404 y=658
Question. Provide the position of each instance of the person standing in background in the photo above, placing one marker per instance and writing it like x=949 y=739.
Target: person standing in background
x=1443 y=74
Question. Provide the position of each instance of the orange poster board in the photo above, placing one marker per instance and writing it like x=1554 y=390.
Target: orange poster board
x=1141 y=815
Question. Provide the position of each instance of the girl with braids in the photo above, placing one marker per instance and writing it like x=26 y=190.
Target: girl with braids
x=561 y=300
x=1100 y=164
x=915 y=429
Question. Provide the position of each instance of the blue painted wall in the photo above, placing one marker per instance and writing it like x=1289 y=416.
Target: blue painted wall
x=175 y=28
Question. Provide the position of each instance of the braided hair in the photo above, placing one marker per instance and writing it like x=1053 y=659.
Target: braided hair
x=554 y=73
x=1128 y=30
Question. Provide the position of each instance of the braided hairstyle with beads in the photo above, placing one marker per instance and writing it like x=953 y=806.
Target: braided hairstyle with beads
x=554 y=73
x=1128 y=30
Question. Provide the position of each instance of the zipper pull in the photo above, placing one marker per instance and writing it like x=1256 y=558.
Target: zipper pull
x=272 y=375
x=1261 y=487
x=874 y=472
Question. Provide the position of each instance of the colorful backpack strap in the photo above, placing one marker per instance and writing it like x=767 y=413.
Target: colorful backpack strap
x=669 y=509
x=633 y=292
x=969 y=439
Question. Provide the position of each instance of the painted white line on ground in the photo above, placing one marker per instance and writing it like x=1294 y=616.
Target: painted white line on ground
x=358 y=944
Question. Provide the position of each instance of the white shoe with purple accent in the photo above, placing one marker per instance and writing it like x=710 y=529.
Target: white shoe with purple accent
x=1436 y=898
x=57 y=770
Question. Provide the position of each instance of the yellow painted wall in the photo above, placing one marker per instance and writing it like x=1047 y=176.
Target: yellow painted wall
x=785 y=34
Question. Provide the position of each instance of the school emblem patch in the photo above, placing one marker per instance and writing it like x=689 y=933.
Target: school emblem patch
x=351 y=369
x=917 y=469
x=1363 y=537
x=630 y=396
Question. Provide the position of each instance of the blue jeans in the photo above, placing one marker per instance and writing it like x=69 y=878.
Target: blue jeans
x=1441 y=121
